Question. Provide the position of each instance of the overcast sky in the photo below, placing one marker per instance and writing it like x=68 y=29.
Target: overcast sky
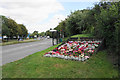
x=41 y=15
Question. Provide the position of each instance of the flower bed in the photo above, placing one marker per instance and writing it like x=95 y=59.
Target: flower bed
x=74 y=50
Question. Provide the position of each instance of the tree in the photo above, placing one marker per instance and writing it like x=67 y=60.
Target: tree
x=12 y=25
x=19 y=29
x=48 y=33
x=42 y=34
x=11 y=29
x=35 y=33
x=5 y=29
x=24 y=30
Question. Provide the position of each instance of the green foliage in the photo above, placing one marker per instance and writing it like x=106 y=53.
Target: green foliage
x=5 y=29
x=35 y=33
x=107 y=24
x=48 y=33
x=42 y=34
x=102 y=21
x=10 y=28
x=24 y=31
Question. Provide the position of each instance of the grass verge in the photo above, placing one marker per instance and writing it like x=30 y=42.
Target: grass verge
x=37 y=66
x=16 y=42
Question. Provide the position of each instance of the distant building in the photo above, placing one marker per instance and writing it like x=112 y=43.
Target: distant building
x=28 y=36
x=0 y=37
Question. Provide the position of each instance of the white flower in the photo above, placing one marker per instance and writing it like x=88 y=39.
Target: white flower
x=93 y=47
x=90 y=50
x=72 y=57
x=62 y=56
x=65 y=57
x=96 y=45
x=89 y=41
x=79 y=58
x=68 y=57
x=50 y=51
x=62 y=49
x=59 y=56
x=83 y=58
x=50 y=55
x=82 y=55
x=47 y=55
x=70 y=49
x=81 y=46
x=54 y=56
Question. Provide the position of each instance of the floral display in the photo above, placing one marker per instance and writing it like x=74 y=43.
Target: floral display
x=74 y=50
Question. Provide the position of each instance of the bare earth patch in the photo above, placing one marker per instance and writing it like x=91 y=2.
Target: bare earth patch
x=60 y=65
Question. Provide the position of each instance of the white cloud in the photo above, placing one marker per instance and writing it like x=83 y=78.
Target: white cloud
x=31 y=12
x=50 y=24
x=79 y=0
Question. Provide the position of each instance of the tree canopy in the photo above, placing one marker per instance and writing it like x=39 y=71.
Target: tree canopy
x=10 y=28
x=103 y=21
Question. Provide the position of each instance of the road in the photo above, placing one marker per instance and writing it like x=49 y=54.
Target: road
x=15 y=52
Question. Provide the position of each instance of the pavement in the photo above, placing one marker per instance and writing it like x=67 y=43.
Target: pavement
x=15 y=52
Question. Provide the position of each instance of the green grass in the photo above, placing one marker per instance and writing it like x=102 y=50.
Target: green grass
x=78 y=35
x=82 y=35
x=37 y=66
x=65 y=39
x=16 y=42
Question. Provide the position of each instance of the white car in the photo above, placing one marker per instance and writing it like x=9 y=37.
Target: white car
x=48 y=37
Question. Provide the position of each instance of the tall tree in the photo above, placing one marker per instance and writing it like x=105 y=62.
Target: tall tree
x=24 y=30
x=5 y=29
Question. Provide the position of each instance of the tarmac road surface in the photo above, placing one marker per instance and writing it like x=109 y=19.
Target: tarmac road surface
x=15 y=52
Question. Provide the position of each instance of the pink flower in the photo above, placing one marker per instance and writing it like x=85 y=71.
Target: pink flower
x=98 y=43
x=91 y=50
x=76 y=51
x=57 y=51
x=65 y=48
x=86 y=56
x=70 y=49
x=79 y=48
x=45 y=53
x=64 y=51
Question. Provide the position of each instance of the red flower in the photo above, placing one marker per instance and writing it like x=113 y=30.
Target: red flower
x=57 y=48
x=77 y=46
x=57 y=51
x=66 y=48
x=97 y=43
